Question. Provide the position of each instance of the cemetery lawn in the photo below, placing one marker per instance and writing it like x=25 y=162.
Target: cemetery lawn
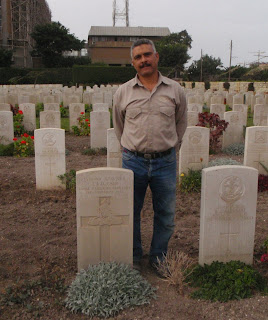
x=38 y=248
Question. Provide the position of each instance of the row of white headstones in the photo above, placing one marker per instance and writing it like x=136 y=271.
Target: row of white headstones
x=105 y=197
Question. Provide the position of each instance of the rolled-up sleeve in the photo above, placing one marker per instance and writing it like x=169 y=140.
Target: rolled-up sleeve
x=118 y=115
x=181 y=117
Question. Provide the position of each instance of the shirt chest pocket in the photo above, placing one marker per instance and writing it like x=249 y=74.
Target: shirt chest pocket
x=167 y=111
x=133 y=113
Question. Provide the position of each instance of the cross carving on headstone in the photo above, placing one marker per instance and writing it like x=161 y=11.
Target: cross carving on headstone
x=50 y=163
x=104 y=221
x=261 y=158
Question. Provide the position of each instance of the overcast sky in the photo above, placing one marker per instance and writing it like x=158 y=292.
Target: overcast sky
x=211 y=24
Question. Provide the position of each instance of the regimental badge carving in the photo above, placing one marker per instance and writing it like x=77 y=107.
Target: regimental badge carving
x=195 y=108
x=260 y=137
x=195 y=137
x=231 y=189
x=49 y=139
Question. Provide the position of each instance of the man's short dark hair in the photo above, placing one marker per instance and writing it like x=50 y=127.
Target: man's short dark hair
x=139 y=42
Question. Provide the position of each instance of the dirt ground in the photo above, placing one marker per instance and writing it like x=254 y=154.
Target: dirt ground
x=38 y=248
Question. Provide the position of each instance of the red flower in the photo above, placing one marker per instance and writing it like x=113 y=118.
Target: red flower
x=20 y=112
x=18 y=126
x=32 y=137
x=82 y=112
x=26 y=135
x=86 y=120
x=23 y=142
x=15 y=139
x=88 y=125
x=60 y=106
x=264 y=257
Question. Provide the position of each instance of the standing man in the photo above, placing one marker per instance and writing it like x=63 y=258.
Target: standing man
x=150 y=118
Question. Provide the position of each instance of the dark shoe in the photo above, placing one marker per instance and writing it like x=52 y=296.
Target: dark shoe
x=137 y=265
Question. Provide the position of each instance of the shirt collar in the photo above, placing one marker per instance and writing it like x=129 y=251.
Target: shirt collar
x=160 y=80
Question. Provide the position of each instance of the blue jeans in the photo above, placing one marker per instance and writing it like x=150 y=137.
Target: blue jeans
x=160 y=175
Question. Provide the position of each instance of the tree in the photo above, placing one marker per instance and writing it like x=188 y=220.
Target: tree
x=5 y=58
x=210 y=67
x=173 y=50
x=51 y=40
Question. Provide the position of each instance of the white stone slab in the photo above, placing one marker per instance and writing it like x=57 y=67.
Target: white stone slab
x=243 y=109
x=256 y=148
x=228 y=214
x=195 y=107
x=50 y=119
x=114 y=154
x=234 y=131
x=192 y=118
x=99 y=123
x=97 y=97
x=29 y=116
x=6 y=127
x=49 y=147
x=104 y=198
x=217 y=99
x=218 y=109
x=260 y=115
x=194 y=151
x=100 y=107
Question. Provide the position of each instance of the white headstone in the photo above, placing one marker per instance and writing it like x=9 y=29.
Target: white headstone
x=29 y=116
x=49 y=147
x=217 y=99
x=194 y=151
x=256 y=148
x=6 y=127
x=228 y=214
x=97 y=97
x=218 y=109
x=108 y=98
x=104 y=198
x=195 y=107
x=192 y=118
x=243 y=109
x=260 y=115
x=114 y=154
x=234 y=131
x=48 y=99
x=50 y=119
x=238 y=99
x=99 y=123
x=100 y=107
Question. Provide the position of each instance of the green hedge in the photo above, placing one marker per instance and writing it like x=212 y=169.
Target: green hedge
x=104 y=74
x=7 y=73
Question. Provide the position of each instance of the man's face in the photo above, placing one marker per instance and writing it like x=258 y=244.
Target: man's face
x=144 y=60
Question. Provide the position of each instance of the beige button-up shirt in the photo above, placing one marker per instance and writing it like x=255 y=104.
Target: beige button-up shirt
x=147 y=121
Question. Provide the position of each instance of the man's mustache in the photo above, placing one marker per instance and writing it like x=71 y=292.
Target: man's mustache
x=145 y=65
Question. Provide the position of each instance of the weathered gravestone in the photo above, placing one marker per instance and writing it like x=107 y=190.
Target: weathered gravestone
x=192 y=118
x=256 y=148
x=228 y=214
x=99 y=123
x=75 y=111
x=219 y=109
x=217 y=99
x=48 y=99
x=243 y=110
x=260 y=115
x=97 y=97
x=50 y=119
x=6 y=127
x=194 y=151
x=29 y=116
x=49 y=145
x=114 y=154
x=104 y=204
x=5 y=107
x=234 y=131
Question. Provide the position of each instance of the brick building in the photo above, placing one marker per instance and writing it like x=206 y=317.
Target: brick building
x=17 y=20
x=111 y=45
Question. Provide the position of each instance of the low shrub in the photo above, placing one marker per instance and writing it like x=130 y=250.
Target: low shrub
x=83 y=128
x=69 y=178
x=7 y=150
x=235 y=149
x=18 y=122
x=24 y=146
x=39 y=107
x=262 y=183
x=105 y=289
x=222 y=282
x=223 y=162
x=191 y=182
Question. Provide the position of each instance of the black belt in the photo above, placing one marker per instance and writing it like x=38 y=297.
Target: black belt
x=154 y=155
